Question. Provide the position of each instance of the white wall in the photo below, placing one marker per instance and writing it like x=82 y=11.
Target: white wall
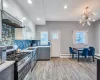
x=97 y=36
x=66 y=29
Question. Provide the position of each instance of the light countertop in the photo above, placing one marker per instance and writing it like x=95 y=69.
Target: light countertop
x=97 y=56
x=26 y=50
x=6 y=65
x=39 y=46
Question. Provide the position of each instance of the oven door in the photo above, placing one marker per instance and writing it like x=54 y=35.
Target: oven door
x=28 y=76
x=24 y=71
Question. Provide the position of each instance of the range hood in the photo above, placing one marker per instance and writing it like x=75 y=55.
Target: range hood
x=10 y=20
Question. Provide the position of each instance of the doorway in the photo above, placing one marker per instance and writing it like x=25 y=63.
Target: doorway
x=55 y=43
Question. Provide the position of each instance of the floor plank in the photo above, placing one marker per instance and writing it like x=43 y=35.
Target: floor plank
x=64 y=69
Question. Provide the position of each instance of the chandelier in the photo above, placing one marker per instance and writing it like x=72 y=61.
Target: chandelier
x=87 y=17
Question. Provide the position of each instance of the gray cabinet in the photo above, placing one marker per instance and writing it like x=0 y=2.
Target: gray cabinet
x=34 y=59
x=10 y=77
x=43 y=53
x=32 y=63
x=7 y=74
x=39 y=53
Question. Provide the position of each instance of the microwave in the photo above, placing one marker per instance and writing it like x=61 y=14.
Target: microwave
x=2 y=54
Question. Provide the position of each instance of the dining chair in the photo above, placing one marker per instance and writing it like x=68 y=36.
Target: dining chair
x=91 y=52
x=85 y=52
x=72 y=51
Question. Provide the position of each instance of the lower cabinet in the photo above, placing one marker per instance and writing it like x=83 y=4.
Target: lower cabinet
x=32 y=63
x=34 y=59
x=8 y=73
x=43 y=53
x=39 y=53
x=10 y=77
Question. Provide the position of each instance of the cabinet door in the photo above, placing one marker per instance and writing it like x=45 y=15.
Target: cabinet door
x=5 y=73
x=32 y=62
x=39 y=53
x=10 y=77
x=36 y=53
x=35 y=59
x=45 y=53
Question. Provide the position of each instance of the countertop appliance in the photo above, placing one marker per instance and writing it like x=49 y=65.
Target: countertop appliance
x=22 y=64
x=2 y=54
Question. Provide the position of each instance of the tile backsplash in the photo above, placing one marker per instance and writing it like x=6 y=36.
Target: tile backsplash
x=8 y=34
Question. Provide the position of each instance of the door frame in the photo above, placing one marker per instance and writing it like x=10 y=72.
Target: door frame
x=59 y=43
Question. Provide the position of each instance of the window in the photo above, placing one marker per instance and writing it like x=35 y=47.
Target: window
x=80 y=37
x=44 y=38
x=54 y=35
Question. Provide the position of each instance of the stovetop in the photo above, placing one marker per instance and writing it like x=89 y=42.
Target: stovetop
x=17 y=56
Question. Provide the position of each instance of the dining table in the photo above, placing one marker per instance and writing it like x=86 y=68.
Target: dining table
x=78 y=51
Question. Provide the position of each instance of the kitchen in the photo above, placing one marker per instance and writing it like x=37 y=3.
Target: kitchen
x=19 y=51
x=22 y=62
x=49 y=40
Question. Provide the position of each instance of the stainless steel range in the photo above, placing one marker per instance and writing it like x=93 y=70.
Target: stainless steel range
x=22 y=64
x=34 y=56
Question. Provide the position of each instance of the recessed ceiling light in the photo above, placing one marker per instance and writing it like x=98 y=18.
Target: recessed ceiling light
x=30 y=1
x=24 y=18
x=38 y=19
x=65 y=7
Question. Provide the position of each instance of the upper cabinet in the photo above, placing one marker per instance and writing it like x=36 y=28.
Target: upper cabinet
x=29 y=31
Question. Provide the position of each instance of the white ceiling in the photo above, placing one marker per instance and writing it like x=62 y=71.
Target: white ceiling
x=53 y=10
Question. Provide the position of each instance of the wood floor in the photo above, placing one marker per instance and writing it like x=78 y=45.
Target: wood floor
x=64 y=69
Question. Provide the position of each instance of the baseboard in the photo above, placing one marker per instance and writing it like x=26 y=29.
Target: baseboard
x=65 y=56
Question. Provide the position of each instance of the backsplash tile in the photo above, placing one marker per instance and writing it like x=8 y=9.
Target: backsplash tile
x=8 y=34
x=22 y=44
